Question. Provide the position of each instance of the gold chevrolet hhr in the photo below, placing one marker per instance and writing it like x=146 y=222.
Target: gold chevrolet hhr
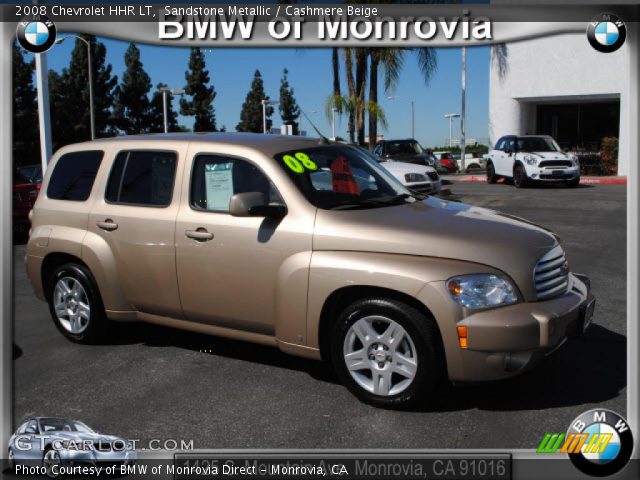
x=301 y=244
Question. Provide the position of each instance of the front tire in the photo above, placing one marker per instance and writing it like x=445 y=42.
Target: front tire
x=520 y=179
x=387 y=353
x=51 y=458
x=491 y=173
x=75 y=304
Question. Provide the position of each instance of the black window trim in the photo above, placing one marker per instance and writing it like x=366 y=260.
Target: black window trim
x=128 y=151
x=232 y=157
x=46 y=193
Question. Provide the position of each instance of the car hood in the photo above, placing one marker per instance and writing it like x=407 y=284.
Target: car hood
x=437 y=228
x=401 y=168
x=552 y=155
x=81 y=436
x=399 y=157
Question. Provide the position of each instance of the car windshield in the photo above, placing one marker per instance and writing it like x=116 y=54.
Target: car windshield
x=537 y=144
x=342 y=177
x=63 y=425
x=403 y=147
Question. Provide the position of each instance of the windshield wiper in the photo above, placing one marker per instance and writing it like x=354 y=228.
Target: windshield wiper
x=357 y=203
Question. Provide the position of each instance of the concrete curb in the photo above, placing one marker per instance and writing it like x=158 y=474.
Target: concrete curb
x=583 y=180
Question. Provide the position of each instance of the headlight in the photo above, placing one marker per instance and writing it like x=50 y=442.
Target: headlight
x=574 y=160
x=414 y=177
x=531 y=160
x=481 y=291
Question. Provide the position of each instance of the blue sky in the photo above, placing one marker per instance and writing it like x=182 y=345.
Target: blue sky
x=231 y=71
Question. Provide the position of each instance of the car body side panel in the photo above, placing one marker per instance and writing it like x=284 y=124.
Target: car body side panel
x=333 y=270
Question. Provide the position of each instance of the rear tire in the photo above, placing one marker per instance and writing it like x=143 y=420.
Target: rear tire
x=491 y=174
x=520 y=179
x=394 y=352
x=573 y=183
x=75 y=304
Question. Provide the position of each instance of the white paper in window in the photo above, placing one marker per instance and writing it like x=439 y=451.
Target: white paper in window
x=218 y=179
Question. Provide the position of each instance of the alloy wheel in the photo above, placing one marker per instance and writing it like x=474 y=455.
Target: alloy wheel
x=71 y=305
x=51 y=459
x=380 y=355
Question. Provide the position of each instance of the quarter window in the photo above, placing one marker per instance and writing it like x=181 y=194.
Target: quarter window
x=216 y=179
x=142 y=178
x=73 y=175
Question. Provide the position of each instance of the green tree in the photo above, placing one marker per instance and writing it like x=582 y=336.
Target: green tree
x=289 y=110
x=202 y=95
x=75 y=84
x=131 y=106
x=251 y=114
x=156 y=123
x=26 y=136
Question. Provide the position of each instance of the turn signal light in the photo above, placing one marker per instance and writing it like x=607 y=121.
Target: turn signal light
x=462 y=337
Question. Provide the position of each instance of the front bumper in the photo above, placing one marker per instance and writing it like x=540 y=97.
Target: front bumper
x=95 y=457
x=551 y=174
x=503 y=342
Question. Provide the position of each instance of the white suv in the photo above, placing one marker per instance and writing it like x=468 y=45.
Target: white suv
x=530 y=158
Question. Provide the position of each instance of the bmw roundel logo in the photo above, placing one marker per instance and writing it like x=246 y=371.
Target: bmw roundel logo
x=606 y=442
x=36 y=35
x=606 y=32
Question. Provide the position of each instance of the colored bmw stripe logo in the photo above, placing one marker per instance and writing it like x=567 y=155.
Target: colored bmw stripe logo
x=36 y=35
x=606 y=32
x=610 y=442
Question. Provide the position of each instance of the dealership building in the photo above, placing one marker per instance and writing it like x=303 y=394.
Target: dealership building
x=561 y=86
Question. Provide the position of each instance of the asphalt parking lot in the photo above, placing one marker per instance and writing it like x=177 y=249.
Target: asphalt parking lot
x=157 y=383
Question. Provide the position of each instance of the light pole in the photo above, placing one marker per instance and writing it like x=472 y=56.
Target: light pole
x=463 y=140
x=333 y=123
x=165 y=91
x=90 y=78
x=451 y=116
x=413 y=114
x=266 y=102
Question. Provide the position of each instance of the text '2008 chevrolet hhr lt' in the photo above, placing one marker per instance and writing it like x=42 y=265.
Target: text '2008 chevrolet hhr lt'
x=301 y=244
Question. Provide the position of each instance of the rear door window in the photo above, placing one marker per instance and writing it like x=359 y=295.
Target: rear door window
x=73 y=175
x=143 y=178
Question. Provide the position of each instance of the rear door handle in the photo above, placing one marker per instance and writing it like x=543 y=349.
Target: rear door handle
x=108 y=225
x=200 y=234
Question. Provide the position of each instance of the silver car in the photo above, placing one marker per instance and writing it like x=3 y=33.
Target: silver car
x=49 y=441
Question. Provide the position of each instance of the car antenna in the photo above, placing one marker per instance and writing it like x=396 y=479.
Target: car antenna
x=323 y=140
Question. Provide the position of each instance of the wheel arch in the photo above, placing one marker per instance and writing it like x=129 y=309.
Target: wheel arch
x=341 y=298
x=51 y=263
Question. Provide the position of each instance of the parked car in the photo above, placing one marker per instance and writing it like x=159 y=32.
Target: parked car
x=531 y=158
x=51 y=442
x=446 y=162
x=472 y=163
x=417 y=178
x=271 y=239
x=24 y=196
x=407 y=150
x=32 y=172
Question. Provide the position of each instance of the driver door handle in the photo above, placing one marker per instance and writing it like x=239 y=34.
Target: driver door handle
x=200 y=234
x=108 y=225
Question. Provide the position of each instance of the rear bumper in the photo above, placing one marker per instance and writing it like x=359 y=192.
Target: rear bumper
x=504 y=342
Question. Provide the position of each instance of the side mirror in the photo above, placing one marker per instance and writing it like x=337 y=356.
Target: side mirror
x=253 y=204
x=508 y=151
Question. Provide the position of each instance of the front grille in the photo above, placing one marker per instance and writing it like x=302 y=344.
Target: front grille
x=551 y=274
x=433 y=175
x=421 y=188
x=554 y=163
